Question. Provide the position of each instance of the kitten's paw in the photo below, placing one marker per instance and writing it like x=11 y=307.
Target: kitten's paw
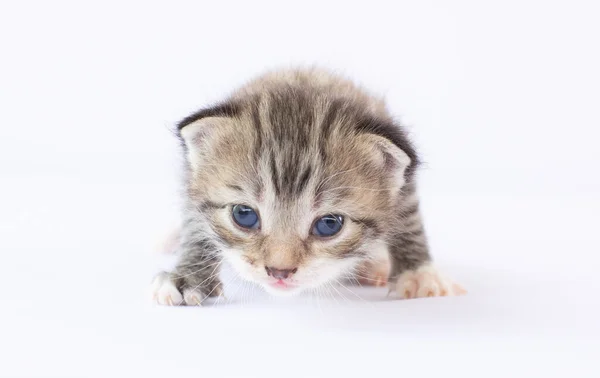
x=193 y=297
x=164 y=291
x=426 y=281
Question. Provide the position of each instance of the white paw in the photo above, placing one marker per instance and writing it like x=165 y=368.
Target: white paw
x=164 y=291
x=426 y=281
x=193 y=297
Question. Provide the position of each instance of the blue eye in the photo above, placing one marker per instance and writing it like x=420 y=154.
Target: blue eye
x=328 y=225
x=245 y=216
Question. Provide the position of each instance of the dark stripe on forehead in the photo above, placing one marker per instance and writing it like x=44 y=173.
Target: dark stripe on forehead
x=275 y=175
x=290 y=175
x=291 y=117
x=256 y=125
x=329 y=118
x=290 y=125
x=303 y=180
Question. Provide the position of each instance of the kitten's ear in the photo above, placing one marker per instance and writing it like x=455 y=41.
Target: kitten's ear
x=198 y=130
x=198 y=135
x=391 y=157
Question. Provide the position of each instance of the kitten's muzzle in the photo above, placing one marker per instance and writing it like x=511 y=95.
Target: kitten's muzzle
x=280 y=274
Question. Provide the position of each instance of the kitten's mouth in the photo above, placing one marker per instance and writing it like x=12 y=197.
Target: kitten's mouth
x=282 y=285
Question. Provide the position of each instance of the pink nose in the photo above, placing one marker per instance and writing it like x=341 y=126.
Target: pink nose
x=280 y=274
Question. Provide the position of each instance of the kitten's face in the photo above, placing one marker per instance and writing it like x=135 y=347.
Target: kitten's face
x=292 y=212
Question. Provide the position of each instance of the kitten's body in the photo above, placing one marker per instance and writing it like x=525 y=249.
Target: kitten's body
x=295 y=147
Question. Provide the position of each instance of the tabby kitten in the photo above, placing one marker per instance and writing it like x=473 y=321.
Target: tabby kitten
x=297 y=179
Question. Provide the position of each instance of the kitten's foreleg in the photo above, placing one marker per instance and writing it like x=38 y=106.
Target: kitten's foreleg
x=194 y=278
x=412 y=274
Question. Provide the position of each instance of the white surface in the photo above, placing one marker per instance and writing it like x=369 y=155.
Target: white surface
x=502 y=100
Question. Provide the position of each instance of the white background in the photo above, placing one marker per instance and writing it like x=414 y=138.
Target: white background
x=501 y=97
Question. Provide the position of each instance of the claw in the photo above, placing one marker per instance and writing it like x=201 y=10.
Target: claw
x=196 y=300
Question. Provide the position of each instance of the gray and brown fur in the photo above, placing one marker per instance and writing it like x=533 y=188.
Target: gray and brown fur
x=299 y=141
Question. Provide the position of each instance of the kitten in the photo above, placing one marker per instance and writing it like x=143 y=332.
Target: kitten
x=297 y=179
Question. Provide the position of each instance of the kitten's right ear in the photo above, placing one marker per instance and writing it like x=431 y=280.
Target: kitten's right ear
x=198 y=129
x=198 y=137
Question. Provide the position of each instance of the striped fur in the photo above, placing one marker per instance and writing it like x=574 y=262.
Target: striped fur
x=297 y=145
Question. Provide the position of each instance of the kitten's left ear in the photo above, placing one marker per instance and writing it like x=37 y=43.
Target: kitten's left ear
x=394 y=160
x=391 y=147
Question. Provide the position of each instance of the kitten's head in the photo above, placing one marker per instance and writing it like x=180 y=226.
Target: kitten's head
x=296 y=188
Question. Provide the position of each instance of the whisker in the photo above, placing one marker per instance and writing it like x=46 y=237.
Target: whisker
x=358 y=187
x=333 y=296
x=339 y=292
x=211 y=276
x=197 y=271
x=237 y=289
x=321 y=184
x=356 y=295
x=202 y=261
x=209 y=293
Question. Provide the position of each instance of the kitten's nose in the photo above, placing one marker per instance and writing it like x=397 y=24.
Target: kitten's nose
x=280 y=274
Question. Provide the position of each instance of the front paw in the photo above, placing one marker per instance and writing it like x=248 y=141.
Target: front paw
x=165 y=292
x=426 y=281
